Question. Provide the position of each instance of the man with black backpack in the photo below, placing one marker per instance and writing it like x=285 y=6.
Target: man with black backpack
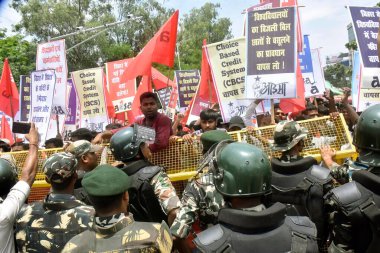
x=355 y=205
x=152 y=197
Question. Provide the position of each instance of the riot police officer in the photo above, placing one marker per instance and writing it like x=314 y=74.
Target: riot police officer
x=355 y=205
x=152 y=197
x=243 y=176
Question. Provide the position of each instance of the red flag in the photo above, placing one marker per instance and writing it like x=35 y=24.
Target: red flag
x=160 y=49
x=6 y=132
x=295 y=104
x=206 y=85
x=160 y=81
x=143 y=87
x=9 y=97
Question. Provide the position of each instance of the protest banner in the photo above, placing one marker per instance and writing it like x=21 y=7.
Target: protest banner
x=88 y=84
x=172 y=105
x=41 y=93
x=164 y=96
x=365 y=22
x=227 y=62
x=52 y=55
x=121 y=93
x=187 y=82
x=271 y=54
x=318 y=87
x=24 y=98
x=199 y=104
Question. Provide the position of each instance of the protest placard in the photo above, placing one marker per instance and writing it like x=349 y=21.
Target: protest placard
x=365 y=22
x=24 y=98
x=88 y=84
x=187 y=82
x=41 y=94
x=121 y=93
x=271 y=54
x=52 y=55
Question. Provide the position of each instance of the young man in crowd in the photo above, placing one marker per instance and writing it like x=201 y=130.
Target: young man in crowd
x=153 y=119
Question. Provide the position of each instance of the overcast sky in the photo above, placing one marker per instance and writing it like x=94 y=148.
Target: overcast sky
x=324 y=20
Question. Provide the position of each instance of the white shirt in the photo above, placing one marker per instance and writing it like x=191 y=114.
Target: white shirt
x=8 y=211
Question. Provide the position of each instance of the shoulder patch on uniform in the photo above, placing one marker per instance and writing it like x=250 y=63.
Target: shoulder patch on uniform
x=319 y=172
x=347 y=193
x=210 y=235
x=302 y=224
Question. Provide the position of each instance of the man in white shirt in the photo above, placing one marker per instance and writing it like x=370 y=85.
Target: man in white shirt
x=13 y=194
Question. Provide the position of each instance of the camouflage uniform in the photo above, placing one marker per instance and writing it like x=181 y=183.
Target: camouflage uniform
x=121 y=233
x=165 y=191
x=199 y=200
x=47 y=226
x=342 y=173
x=287 y=134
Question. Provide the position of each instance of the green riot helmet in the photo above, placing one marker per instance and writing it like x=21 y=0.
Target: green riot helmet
x=367 y=137
x=241 y=170
x=8 y=176
x=125 y=144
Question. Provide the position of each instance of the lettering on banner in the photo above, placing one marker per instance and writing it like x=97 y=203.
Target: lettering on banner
x=269 y=88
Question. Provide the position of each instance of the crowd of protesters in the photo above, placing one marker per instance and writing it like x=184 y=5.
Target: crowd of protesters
x=238 y=195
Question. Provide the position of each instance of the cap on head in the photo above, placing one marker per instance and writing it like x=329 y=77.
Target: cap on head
x=242 y=170
x=59 y=166
x=82 y=147
x=287 y=134
x=236 y=121
x=367 y=137
x=106 y=180
x=212 y=137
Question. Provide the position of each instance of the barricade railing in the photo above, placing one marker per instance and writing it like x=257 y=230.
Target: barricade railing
x=181 y=159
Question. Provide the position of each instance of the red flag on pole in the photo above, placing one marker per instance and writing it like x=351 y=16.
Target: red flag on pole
x=160 y=81
x=160 y=49
x=9 y=97
x=110 y=108
x=295 y=104
x=6 y=132
x=206 y=85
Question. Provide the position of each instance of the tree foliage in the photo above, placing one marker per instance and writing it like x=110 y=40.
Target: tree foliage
x=42 y=20
x=201 y=23
x=20 y=53
x=338 y=75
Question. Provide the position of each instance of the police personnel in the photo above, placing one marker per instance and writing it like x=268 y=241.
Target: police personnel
x=114 y=228
x=13 y=193
x=46 y=226
x=152 y=196
x=355 y=205
x=297 y=181
x=87 y=156
x=243 y=176
x=200 y=198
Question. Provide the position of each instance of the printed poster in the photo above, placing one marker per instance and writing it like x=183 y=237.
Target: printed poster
x=88 y=84
x=41 y=93
x=52 y=55
x=121 y=93
x=24 y=98
x=271 y=53
x=187 y=81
